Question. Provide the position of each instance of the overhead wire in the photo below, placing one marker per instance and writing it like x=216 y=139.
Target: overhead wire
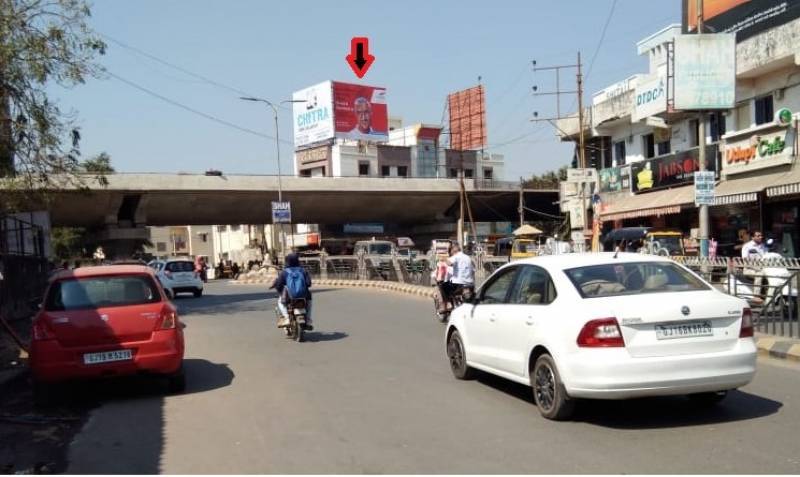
x=193 y=110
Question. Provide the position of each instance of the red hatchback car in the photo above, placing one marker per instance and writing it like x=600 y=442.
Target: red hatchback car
x=106 y=321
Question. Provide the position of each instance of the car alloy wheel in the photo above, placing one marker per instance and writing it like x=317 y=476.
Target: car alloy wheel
x=544 y=387
x=457 y=357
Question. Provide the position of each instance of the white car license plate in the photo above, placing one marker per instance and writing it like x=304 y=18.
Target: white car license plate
x=107 y=356
x=690 y=329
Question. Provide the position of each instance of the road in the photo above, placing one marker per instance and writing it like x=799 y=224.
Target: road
x=371 y=392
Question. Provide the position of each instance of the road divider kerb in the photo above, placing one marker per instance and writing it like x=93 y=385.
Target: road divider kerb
x=777 y=347
x=417 y=290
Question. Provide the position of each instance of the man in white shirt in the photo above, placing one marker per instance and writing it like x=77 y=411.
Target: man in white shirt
x=755 y=248
x=463 y=269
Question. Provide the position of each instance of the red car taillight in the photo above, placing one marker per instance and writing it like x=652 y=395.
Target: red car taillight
x=169 y=320
x=41 y=331
x=601 y=333
x=747 y=324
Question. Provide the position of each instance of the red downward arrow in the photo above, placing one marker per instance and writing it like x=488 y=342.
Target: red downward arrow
x=359 y=58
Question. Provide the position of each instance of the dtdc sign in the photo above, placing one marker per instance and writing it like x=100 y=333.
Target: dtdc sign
x=651 y=98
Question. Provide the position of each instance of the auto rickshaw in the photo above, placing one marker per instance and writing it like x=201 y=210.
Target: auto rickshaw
x=645 y=240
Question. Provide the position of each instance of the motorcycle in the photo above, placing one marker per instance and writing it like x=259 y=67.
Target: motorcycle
x=457 y=298
x=297 y=319
x=773 y=279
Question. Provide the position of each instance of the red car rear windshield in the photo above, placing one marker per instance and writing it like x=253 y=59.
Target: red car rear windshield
x=101 y=292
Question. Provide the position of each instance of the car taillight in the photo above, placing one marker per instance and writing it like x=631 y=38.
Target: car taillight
x=168 y=320
x=747 y=324
x=41 y=331
x=604 y=333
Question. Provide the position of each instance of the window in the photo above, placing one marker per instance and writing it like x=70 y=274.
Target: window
x=453 y=172
x=363 y=169
x=182 y=266
x=694 y=133
x=619 y=152
x=533 y=287
x=764 y=110
x=402 y=171
x=101 y=292
x=716 y=125
x=234 y=228
x=386 y=171
x=488 y=173
x=632 y=278
x=649 y=145
x=663 y=148
x=161 y=246
x=497 y=290
x=468 y=173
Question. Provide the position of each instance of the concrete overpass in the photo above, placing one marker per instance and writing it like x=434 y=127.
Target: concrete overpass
x=131 y=201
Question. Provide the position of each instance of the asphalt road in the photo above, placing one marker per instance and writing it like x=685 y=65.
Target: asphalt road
x=371 y=392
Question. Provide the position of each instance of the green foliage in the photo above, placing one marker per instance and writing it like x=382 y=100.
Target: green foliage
x=547 y=180
x=42 y=42
x=99 y=165
x=68 y=242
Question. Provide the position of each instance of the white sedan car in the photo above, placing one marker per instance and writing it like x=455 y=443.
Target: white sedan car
x=177 y=276
x=604 y=326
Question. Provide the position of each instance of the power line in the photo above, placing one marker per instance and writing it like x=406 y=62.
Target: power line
x=602 y=37
x=192 y=110
x=180 y=68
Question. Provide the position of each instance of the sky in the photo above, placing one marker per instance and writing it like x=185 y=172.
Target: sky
x=423 y=50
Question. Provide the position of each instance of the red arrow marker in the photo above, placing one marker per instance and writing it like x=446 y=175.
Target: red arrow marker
x=359 y=58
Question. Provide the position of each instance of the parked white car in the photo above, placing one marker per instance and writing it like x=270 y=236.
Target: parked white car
x=604 y=326
x=178 y=276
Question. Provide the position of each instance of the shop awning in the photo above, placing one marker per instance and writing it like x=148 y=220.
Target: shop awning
x=743 y=189
x=649 y=204
x=787 y=184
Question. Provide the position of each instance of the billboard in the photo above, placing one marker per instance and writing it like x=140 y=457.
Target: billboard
x=615 y=179
x=313 y=115
x=467 y=112
x=745 y=18
x=360 y=112
x=705 y=71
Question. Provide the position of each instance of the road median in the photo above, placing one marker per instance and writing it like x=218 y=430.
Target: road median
x=399 y=287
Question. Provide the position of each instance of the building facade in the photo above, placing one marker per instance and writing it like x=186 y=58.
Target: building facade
x=646 y=153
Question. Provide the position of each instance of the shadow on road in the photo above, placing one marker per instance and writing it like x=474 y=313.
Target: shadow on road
x=323 y=336
x=651 y=413
x=126 y=432
x=225 y=304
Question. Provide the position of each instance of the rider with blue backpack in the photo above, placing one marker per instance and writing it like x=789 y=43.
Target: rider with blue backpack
x=293 y=283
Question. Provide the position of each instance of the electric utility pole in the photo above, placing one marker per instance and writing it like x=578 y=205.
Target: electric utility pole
x=701 y=153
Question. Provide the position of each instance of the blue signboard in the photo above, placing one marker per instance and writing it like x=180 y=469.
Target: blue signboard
x=281 y=213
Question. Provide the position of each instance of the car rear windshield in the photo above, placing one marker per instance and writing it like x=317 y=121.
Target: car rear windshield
x=380 y=248
x=180 y=267
x=101 y=292
x=614 y=279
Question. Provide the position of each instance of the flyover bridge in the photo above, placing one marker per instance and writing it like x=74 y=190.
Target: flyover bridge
x=134 y=200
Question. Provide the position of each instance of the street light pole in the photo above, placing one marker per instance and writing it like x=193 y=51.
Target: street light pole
x=277 y=155
x=702 y=212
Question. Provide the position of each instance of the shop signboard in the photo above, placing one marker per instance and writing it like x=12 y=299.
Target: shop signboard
x=651 y=98
x=580 y=184
x=704 y=187
x=670 y=170
x=705 y=71
x=577 y=214
x=615 y=179
x=766 y=148
x=281 y=212
x=363 y=228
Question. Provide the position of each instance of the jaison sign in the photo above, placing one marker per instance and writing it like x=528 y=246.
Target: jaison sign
x=670 y=170
x=766 y=148
x=651 y=98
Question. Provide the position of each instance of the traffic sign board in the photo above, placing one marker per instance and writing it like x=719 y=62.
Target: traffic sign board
x=704 y=187
x=281 y=212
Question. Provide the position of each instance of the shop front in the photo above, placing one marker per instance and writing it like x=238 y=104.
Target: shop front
x=756 y=191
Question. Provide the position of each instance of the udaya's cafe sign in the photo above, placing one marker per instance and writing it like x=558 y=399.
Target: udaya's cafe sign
x=765 y=146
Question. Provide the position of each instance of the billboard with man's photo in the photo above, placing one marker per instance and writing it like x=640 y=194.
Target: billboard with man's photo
x=743 y=17
x=360 y=112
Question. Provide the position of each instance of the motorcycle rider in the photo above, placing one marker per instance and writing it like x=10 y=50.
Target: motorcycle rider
x=292 y=267
x=463 y=275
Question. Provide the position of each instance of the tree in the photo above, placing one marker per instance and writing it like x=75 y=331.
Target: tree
x=42 y=42
x=99 y=165
x=547 y=180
